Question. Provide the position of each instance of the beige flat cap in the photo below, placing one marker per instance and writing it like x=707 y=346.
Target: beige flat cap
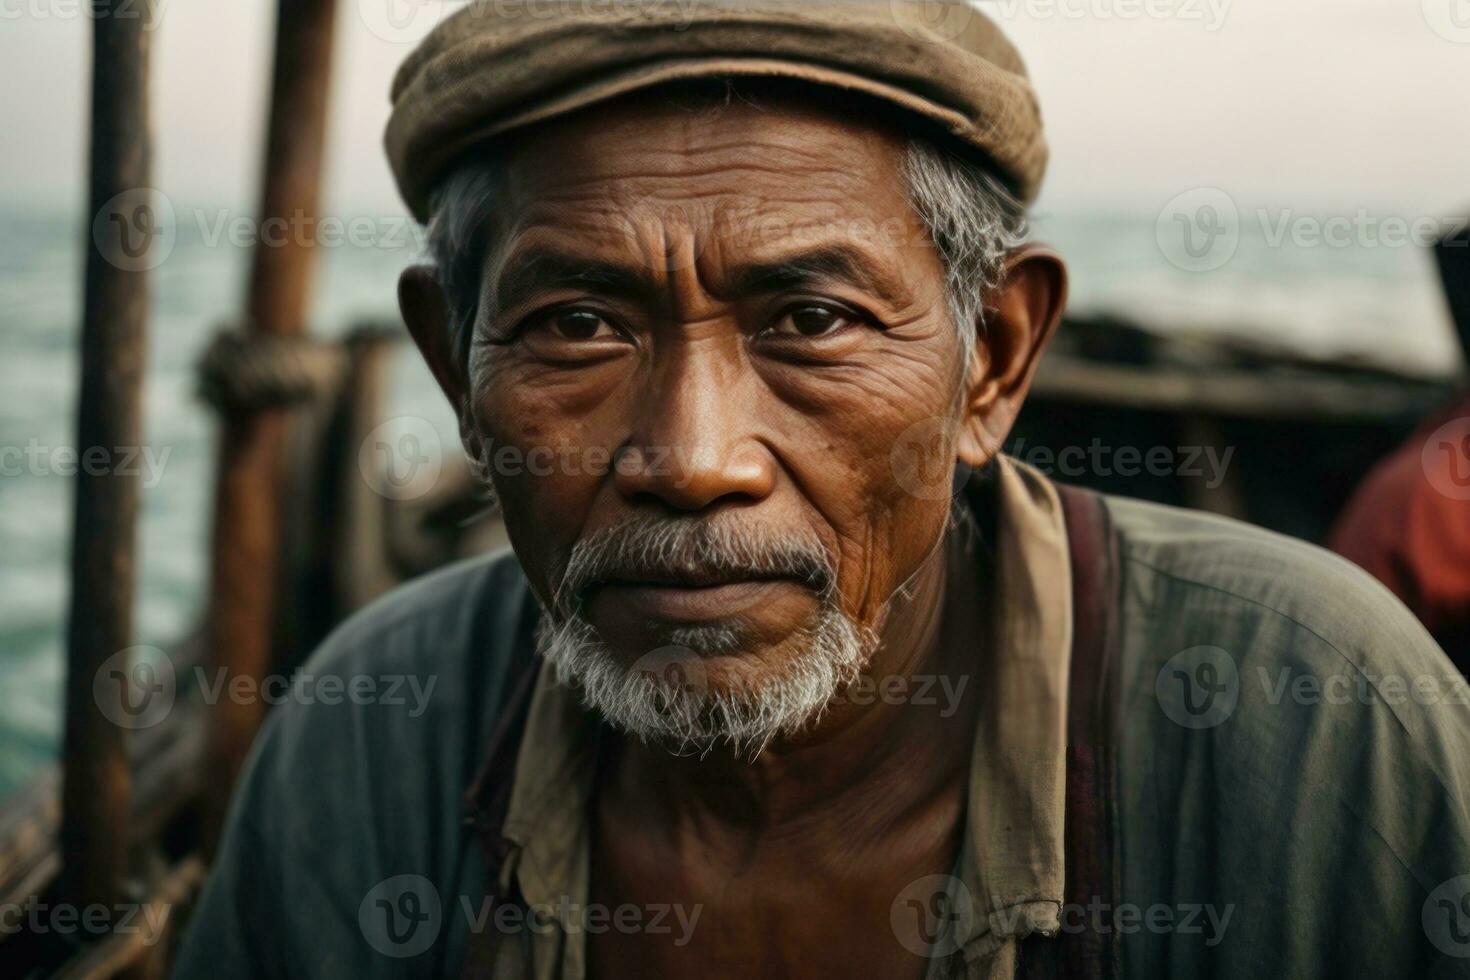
x=498 y=65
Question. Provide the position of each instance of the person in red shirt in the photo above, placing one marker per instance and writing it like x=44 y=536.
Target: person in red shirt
x=1409 y=525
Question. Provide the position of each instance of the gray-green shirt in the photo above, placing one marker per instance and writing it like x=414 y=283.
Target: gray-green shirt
x=1294 y=775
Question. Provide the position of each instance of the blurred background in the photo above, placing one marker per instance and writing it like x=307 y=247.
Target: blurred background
x=1266 y=173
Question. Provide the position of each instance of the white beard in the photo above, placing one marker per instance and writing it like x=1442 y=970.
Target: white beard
x=666 y=697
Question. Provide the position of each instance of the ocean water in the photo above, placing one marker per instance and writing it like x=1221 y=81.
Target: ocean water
x=1378 y=303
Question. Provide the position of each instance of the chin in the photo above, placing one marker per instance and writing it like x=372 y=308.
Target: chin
x=711 y=684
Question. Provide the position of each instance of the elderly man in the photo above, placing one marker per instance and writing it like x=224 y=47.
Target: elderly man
x=792 y=673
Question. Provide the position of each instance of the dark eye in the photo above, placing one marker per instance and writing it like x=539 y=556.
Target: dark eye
x=579 y=325
x=813 y=320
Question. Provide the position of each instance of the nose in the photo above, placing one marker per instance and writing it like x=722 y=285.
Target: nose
x=693 y=444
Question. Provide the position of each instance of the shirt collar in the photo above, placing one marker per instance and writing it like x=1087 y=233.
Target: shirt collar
x=554 y=775
x=1011 y=860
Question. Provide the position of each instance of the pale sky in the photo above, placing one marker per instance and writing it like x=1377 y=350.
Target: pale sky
x=1331 y=103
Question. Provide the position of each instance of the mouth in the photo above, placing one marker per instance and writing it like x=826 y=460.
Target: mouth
x=692 y=597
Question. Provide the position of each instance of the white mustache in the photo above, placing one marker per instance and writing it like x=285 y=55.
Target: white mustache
x=656 y=548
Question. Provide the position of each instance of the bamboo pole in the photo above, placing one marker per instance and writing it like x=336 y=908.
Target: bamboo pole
x=96 y=784
x=246 y=572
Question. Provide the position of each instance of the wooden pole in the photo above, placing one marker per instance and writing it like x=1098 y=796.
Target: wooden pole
x=122 y=231
x=246 y=573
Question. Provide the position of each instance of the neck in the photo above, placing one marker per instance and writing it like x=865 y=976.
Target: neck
x=896 y=743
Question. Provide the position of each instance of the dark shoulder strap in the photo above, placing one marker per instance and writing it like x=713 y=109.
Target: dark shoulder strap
x=488 y=800
x=1082 y=951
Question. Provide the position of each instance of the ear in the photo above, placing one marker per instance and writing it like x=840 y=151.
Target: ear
x=1026 y=310
x=426 y=312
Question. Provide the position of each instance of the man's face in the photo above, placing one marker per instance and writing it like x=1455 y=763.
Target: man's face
x=732 y=317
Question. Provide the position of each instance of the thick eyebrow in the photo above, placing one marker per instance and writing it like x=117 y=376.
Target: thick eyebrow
x=823 y=264
x=534 y=270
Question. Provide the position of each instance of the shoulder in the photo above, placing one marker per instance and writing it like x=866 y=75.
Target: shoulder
x=1285 y=715
x=389 y=717
x=1237 y=573
x=412 y=670
x=357 y=776
x=418 y=662
x=1284 y=611
x=429 y=617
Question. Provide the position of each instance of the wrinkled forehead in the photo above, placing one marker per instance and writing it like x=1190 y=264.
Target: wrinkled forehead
x=722 y=174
